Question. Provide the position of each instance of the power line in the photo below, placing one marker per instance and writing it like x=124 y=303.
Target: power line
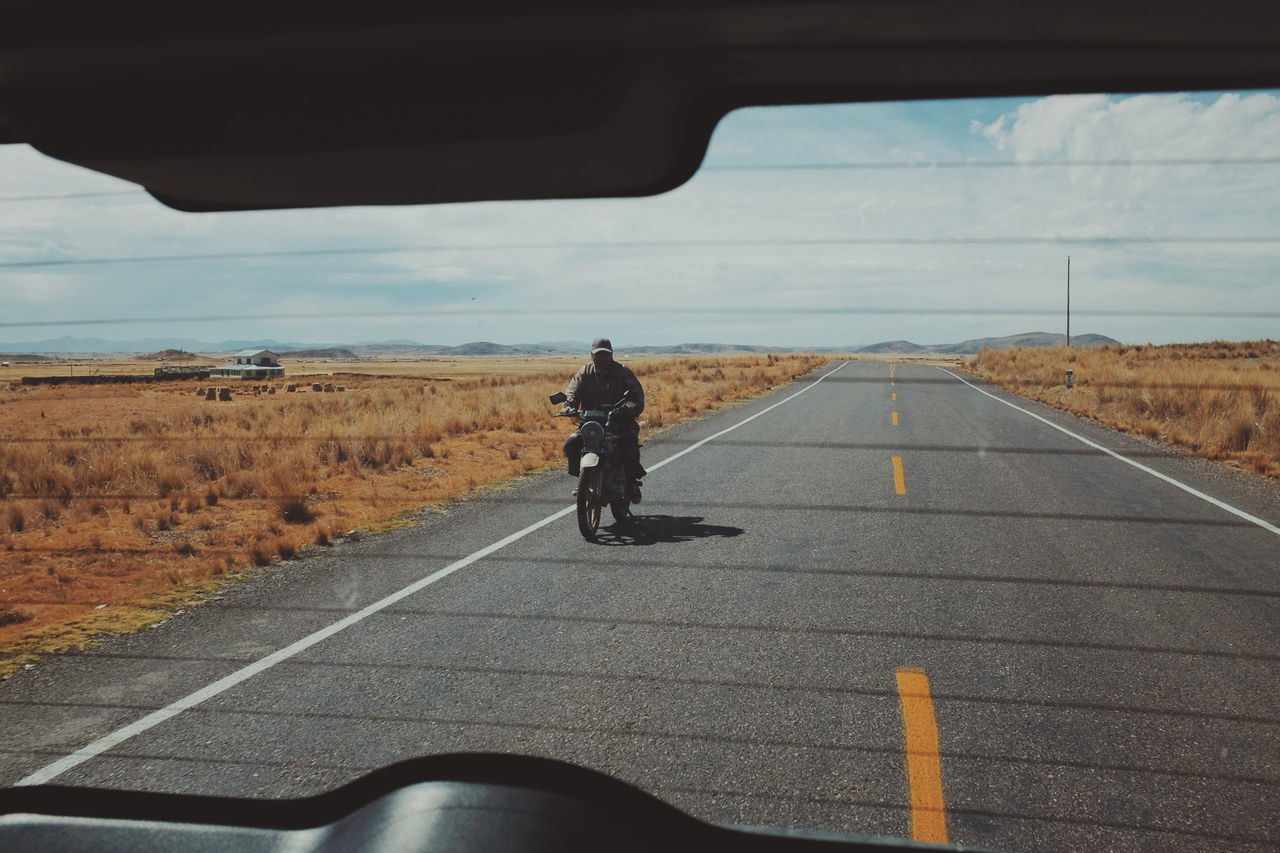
x=683 y=310
x=992 y=164
x=817 y=167
x=649 y=244
x=59 y=196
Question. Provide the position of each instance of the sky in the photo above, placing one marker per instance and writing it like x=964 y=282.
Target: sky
x=828 y=225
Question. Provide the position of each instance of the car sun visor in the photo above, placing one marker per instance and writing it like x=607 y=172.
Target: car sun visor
x=564 y=102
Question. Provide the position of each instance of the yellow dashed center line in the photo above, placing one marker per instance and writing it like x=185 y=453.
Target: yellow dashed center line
x=924 y=764
x=899 y=476
x=895 y=418
x=895 y=395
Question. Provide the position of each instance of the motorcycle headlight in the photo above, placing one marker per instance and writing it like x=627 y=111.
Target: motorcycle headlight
x=592 y=435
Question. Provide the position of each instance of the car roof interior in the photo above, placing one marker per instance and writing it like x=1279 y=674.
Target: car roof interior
x=498 y=100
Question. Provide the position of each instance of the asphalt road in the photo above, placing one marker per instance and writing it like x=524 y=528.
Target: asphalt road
x=1100 y=644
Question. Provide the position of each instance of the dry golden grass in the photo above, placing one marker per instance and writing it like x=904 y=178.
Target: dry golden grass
x=132 y=496
x=76 y=367
x=456 y=367
x=453 y=367
x=1220 y=400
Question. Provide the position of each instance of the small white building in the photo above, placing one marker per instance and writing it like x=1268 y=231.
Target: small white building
x=251 y=364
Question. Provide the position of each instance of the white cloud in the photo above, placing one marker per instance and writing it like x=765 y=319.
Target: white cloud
x=751 y=208
x=1099 y=127
x=35 y=289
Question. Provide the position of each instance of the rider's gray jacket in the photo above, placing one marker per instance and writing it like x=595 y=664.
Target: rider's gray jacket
x=591 y=389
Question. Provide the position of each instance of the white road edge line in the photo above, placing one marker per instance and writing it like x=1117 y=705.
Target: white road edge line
x=1154 y=473
x=155 y=718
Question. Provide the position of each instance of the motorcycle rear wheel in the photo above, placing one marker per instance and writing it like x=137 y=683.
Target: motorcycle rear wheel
x=589 y=503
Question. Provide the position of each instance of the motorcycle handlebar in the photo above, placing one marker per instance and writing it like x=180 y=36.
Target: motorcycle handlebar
x=578 y=412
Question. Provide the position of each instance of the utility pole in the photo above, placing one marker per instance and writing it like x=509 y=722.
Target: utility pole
x=1068 y=302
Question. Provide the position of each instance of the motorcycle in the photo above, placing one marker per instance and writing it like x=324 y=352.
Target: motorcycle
x=602 y=477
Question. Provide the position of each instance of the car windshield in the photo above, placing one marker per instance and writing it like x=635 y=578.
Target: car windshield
x=957 y=520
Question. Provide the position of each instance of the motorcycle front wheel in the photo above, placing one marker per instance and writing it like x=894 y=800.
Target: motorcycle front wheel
x=621 y=510
x=589 y=502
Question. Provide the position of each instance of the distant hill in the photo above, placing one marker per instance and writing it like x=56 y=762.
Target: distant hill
x=23 y=356
x=695 y=349
x=392 y=348
x=171 y=355
x=971 y=347
x=1027 y=339
x=183 y=348
x=562 y=346
x=897 y=347
x=482 y=348
x=404 y=348
x=68 y=344
x=340 y=353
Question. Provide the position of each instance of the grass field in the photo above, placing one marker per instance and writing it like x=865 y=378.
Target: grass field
x=76 y=367
x=119 y=502
x=443 y=366
x=1220 y=400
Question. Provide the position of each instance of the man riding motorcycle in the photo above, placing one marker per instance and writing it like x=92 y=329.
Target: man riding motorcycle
x=600 y=383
